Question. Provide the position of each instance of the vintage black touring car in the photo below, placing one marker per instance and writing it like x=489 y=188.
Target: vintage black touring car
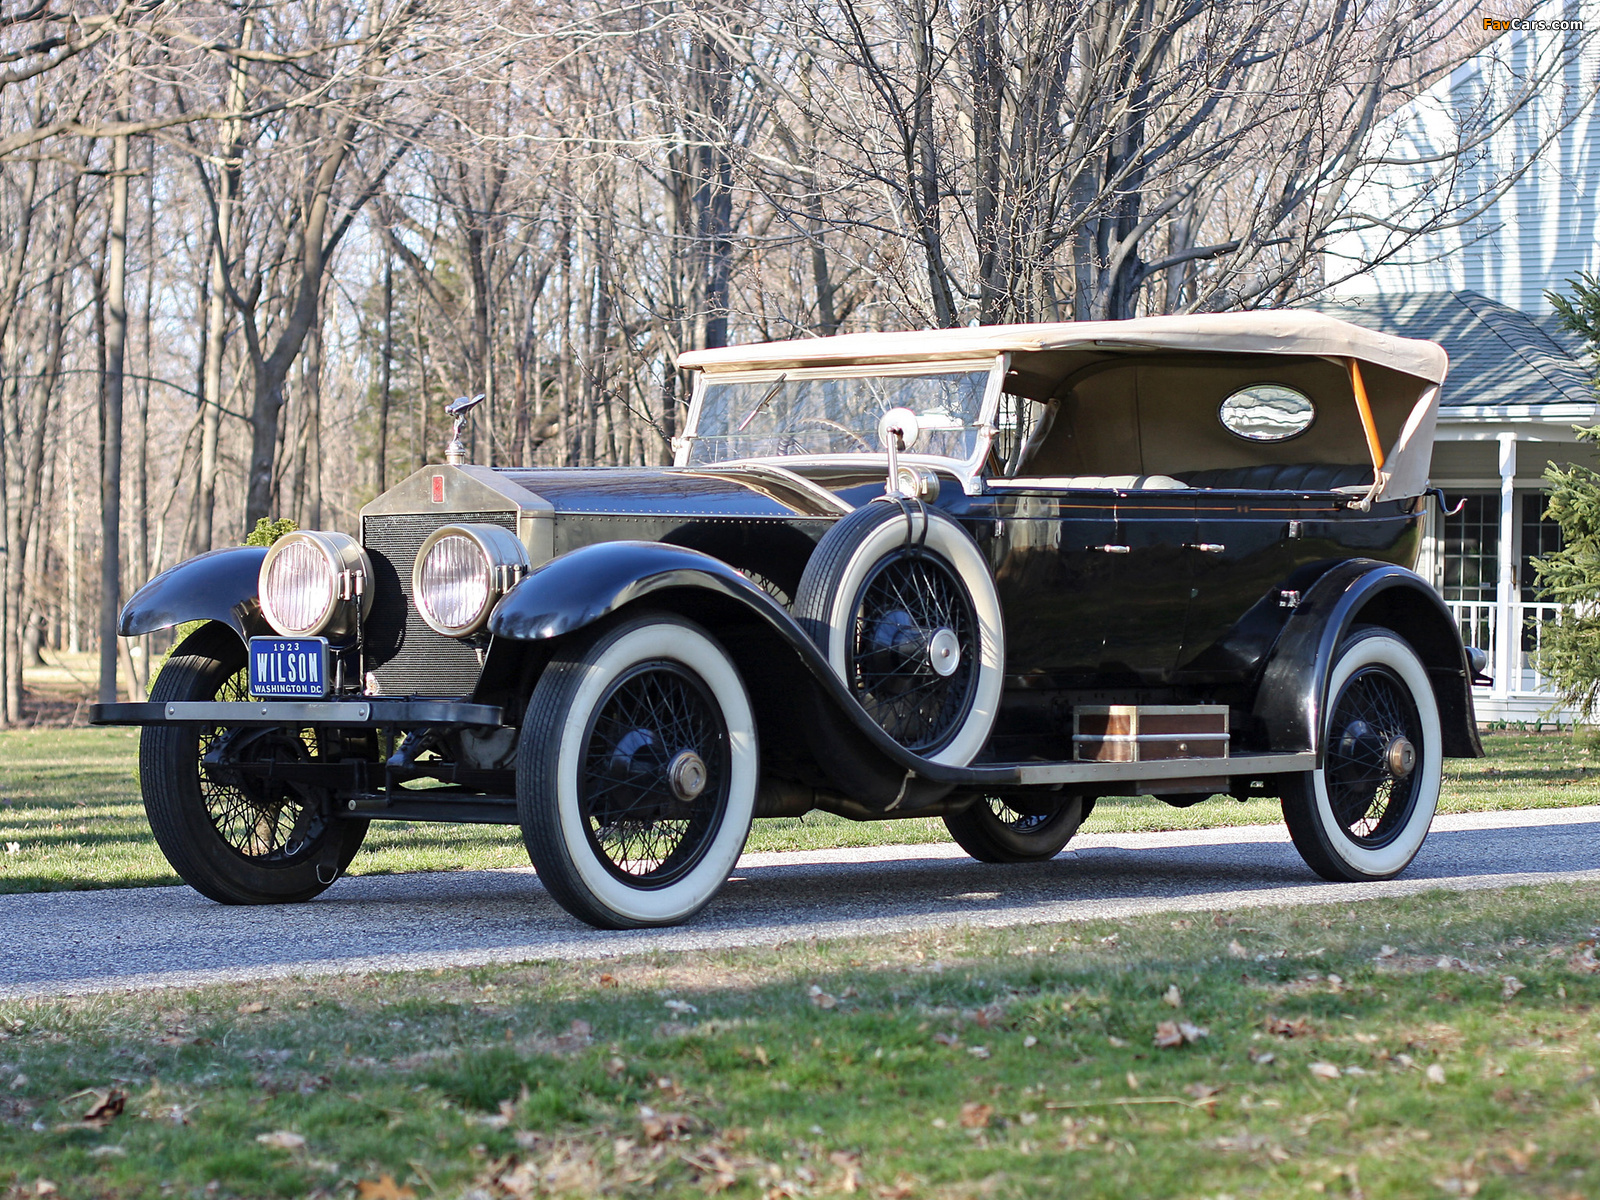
x=990 y=574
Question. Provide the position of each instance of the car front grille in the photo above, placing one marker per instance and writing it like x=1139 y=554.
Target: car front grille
x=404 y=656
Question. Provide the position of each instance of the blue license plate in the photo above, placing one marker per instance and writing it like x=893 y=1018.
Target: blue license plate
x=289 y=667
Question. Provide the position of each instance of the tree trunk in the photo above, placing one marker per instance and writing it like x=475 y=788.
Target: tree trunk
x=313 y=416
x=230 y=181
x=380 y=465
x=111 y=462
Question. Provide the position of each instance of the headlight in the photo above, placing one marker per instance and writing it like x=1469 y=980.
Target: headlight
x=313 y=582
x=461 y=571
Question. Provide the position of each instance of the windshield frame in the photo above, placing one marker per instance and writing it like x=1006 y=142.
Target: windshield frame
x=969 y=470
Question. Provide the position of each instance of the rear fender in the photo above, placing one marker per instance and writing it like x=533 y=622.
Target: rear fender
x=1293 y=694
x=217 y=586
x=778 y=661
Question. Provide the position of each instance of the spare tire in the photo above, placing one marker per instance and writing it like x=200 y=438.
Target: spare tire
x=900 y=600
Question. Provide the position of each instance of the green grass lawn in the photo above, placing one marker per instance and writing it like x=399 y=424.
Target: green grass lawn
x=70 y=814
x=1447 y=1046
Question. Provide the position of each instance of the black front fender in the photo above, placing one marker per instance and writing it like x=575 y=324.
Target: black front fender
x=217 y=586
x=1294 y=686
x=581 y=587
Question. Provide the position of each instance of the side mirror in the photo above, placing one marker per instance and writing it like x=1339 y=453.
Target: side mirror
x=898 y=430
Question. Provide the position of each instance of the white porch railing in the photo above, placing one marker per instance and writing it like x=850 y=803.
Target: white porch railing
x=1480 y=621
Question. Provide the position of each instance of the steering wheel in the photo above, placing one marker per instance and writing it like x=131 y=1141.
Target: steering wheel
x=829 y=423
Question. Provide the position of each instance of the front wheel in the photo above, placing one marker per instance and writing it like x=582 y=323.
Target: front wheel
x=637 y=772
x=1006 y=829
x=1363 y=814
x=232 y=831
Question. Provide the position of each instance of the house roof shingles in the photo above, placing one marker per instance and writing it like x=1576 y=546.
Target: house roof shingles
x=1499 y=355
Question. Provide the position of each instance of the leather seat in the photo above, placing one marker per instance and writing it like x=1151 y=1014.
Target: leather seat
x=1282 y=477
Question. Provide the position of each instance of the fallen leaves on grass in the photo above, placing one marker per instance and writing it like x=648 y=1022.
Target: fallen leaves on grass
x=1584 y=962
x=1278 y=1027
x=281 y=1139
x=821 y=998
x=662 y=1127
x=1172 y=996
x=253 y=1006
x=383 y=1188
x=1510 y=985
x=1325 y=1070
x=1235 y=950
x=107 y=1107
x=1172 y=1034
x=681 y=1007
x=976 y=1116
x=1435 y=1073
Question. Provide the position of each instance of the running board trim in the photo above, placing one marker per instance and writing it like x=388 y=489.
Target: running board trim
x=1249 y=765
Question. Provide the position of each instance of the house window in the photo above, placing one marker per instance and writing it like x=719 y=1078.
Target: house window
x=1539 y=536
x=1471 y=549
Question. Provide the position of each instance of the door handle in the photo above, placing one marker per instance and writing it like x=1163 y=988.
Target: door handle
x=1205 y=547
x=1111 y=549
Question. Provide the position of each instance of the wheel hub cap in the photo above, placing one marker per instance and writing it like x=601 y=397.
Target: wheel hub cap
x=1401 y=757
x=687 y=775
x=944 y=652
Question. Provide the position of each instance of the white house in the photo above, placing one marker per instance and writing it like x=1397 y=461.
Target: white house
x=1526 y=219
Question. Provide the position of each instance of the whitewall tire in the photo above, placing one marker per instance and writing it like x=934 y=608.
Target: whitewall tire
x=901 y=601
x=1364 y=813
x=637 y=769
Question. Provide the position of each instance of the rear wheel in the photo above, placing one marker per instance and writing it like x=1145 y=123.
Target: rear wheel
x=228 y=831
x=636 y=773
x=1013 y=828
x=1365 y=812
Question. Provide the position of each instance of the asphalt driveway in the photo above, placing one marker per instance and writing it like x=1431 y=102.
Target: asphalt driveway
x=75 y=942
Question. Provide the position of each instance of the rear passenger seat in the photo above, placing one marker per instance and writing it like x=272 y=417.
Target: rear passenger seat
x=1281 y=477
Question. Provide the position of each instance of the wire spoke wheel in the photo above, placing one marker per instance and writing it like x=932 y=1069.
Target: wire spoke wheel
x=1015 y=820
x=258 y=818
x=1018 y=827
x=903 y=605
x=912 y=609
x=224 y=815
x=637 y=769
x=1363 y=814
x=1377 y=736
x=655 y=775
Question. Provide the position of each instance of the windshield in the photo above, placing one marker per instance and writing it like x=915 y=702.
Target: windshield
x=783 y=416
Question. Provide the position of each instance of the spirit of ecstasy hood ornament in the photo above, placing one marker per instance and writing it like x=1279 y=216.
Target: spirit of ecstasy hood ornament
x=456 y=453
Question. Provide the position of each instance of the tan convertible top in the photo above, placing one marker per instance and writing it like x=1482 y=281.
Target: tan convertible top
x=1273 y=331
x=1392 y=383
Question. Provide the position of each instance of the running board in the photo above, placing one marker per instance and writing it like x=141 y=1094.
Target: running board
x=1245 y=765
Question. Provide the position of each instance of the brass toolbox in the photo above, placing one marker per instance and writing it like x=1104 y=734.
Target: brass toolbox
x=1149 y=732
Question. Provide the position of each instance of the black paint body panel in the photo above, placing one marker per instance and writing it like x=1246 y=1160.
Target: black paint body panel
x=219 y=585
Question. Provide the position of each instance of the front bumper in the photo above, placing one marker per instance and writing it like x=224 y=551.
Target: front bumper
x=347 y=714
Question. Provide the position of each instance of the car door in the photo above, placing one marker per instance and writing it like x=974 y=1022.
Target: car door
x=1144 y=629
x=1250 y=545
x=1056 y=574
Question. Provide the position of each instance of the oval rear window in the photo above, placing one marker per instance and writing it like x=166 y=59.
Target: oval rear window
x=1267 y=412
